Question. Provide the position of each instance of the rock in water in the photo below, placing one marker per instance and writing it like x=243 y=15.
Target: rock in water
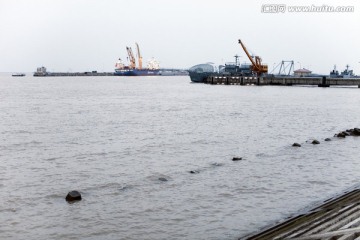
x=340 y=135
x=194 y=171
x=356 y=132
x=237 y=158
x=162 y=179
x=327 y=139
x=315 y=142
x=73 y=196
x=296 y=145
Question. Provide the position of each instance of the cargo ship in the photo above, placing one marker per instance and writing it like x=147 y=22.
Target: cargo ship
x=152 y=68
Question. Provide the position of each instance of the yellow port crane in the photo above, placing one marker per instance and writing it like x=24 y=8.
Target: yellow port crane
x=256 y=64
x=139 y=56
x=131 y=58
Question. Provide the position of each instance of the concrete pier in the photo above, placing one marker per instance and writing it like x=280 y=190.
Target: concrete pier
x=284 y=81
x=73 y=74
x=336 y=218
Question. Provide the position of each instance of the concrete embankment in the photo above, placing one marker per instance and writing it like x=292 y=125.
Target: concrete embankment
x=335 y=218
x=73 y=74
x=286 y=81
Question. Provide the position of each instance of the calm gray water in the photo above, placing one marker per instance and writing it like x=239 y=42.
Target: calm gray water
x=112 y=138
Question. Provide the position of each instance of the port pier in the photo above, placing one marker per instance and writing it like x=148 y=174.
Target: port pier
x=334 y=218
x=281 y=81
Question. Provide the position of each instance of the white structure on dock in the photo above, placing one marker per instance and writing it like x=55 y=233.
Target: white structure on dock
x=303 y=72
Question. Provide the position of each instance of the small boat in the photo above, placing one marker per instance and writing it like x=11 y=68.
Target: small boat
x=18 y=75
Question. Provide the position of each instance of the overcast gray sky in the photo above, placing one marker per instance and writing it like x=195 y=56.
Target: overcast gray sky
x=83 y=35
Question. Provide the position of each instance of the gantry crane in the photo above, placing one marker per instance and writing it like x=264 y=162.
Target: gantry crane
x=131 y=58
x=256 y=66
x=139 y=56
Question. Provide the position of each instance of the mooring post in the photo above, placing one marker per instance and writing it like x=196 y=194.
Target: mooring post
x=323 y=82
x=258 y=81
x=242 y=81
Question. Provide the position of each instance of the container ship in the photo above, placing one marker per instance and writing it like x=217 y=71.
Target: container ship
x=152 y=68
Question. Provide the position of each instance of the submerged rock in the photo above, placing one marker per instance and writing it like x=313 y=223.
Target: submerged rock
x=315 y=142
x=327 y=139
x=162 y=179
x=340 y=135
x=296 y=145
x=356 y=132
x=194 y=171
x=237 y=158
x=73 y=196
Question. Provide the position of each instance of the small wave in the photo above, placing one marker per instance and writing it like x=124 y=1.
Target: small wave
x=318 y=182
x=25 y=144
x=16 y=132
x=216 y=164
x=8 y=210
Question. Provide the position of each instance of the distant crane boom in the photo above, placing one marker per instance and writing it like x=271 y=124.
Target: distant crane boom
x=131 y=58
x=256 y=64
x=139 y=56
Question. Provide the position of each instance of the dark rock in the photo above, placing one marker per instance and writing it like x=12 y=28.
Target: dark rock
x=340 y=135
x=327 y=139
x=237 y=158
x=73 y=196
x=296 y=145
x=163 y=179
x=356 y=132
x=315 y=142
x=346 y=133
x=194 y=171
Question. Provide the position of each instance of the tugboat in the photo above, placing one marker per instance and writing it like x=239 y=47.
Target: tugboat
x=152 y=69
x=40 y=72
